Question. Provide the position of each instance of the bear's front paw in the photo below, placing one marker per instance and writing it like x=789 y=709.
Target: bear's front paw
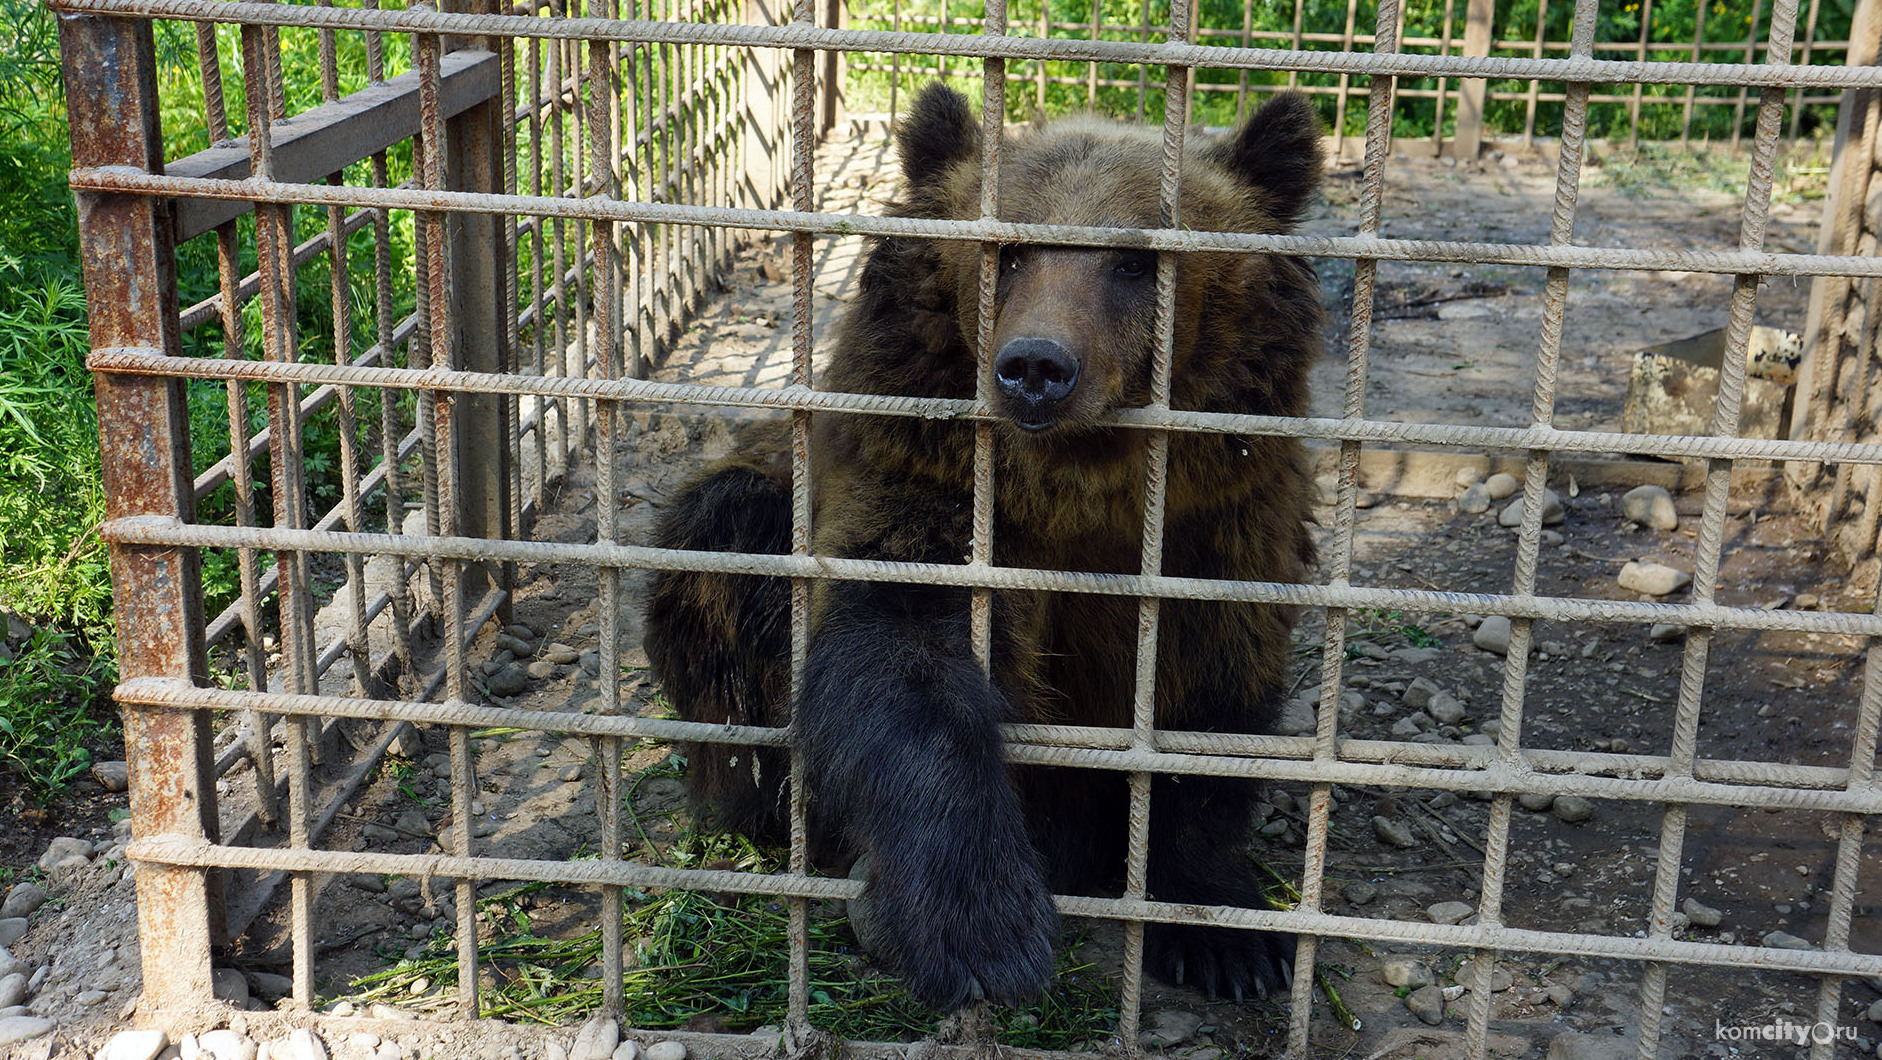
x=1222 y=962
x=963 y=933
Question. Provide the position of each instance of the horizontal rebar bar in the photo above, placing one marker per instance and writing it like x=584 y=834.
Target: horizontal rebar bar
x=136 y=361
x=798 y=36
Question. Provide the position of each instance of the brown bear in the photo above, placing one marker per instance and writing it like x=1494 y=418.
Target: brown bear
x=899 y=727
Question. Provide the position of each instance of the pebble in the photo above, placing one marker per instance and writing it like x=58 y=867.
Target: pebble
x=520 y=631
x=570 y=773
x=10 y=964
x=1784 y=940
x=668 y=1050
x=343 y=1008
x=509 y=681
x=1561 y=995
x=1359 y=892
x=596 y=1040
x=1404 y=971
x=627 y=1050
x=1573 y=808
x=1449 y=912
x=561 y=654
x=1474 y=500
x=1553 y=538
x=1536 y=801
x=1427 y=1003
x=16 y=1029
x=1419 y=692
x=12 y=930
x=269 y=986
x=1552 y=512
x=1650 y=506
x=12 y=989
x=1502 y=485
x=92 y=998
x=1653 y=579
x=1469 y=475
x=1393 y=832
x=25 y=897
x=115 y=776
x=1168 y=1027
x=1874 y=1015
x=134 y=1045
x=516 y=646
x=1446 y=709
x=382 y=1011
x=1701 y=914
x=1604 y=1046
x=1493 y=635
x=1416 y=656
x=591 y=662
x=370 y=883
x=1664 y=632
x=300 y=1044
x=541 y=670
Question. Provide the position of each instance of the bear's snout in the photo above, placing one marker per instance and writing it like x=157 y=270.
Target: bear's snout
x=1035 y=374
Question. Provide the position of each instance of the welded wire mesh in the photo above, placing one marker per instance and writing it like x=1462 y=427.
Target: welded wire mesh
x=562 y=187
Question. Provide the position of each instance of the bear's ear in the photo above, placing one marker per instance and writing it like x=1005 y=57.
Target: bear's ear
x=937 y=132
x=1278 y=152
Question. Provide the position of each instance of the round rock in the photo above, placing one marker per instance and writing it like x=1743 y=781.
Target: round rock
x=134 y=1045
x=1502 y=485
x=1552 y=512
x=12 y=989
x=1573 y=808
x=1653 y=579
x=226 y=1045
x=1474 y=500
x=1450 y=912
x=1393 y=832
x=1427 y=1003
x=1650 y=506
x=668 y=1050
x=16 y=1029
x=1493 y=635
x=1405 y=971
x=1701 y=914
x=25 y=897
x=509 y=681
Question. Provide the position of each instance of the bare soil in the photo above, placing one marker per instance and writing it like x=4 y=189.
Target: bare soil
x=1453 y=345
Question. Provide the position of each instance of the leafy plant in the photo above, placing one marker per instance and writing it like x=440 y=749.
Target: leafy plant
x=57 y=704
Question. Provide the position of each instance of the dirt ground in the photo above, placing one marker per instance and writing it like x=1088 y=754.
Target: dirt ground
x=1453 y=345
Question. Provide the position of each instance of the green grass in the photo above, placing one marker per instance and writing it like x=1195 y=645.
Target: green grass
x=54 y=694
x=697 y=955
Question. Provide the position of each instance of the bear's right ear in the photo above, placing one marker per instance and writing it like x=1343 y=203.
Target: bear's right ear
x=1278 y=152
x=937 y=132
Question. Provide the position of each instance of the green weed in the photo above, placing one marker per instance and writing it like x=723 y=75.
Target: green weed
x=57 y=704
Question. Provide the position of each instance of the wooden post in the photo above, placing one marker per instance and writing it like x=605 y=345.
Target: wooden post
x=1479 y=19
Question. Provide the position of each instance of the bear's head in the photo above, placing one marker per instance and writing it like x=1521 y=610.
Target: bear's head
x=1075 y=328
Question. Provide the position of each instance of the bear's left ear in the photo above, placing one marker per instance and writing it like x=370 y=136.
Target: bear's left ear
x=1278 y=152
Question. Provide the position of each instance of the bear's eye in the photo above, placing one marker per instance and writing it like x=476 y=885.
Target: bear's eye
x=1134 y=266
x=1009 y=259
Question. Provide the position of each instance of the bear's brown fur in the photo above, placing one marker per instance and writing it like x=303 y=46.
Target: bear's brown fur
x=898 y=724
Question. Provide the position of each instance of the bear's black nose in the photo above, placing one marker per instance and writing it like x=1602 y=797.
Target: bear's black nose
x=1037 y=373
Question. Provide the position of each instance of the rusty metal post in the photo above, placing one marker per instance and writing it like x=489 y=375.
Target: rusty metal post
x=479 y=292
x=1479 y=19
x=130 y=279
x=835 y=16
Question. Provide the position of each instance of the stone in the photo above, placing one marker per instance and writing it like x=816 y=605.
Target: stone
x=1419 y=692
x=667 y=1050
x=371 y=883
x=520 y=631
x=591 y=662
x=1298 y=716
x=1393 y=832
x=1666 y=632
x=269 y=986
x=1416 y=656
x=229 y=985
x=570 y=774
x=1502 y=485
x=1168 y=1027
x=1450 y=912
x=1475 y=500
x=1561 y=995
x=17 y=1029
x=1784 y=940
x=10 y=964
x=382 y=1011
x=12 y=989
x=627 y=1050
x=1446 y=709
x=115 y=776
x=1653 y=579
x=25 y=897
x=1406 y=971
x=12 y=930
x=1427 y=1003
x=92 y=998
x=1650 y=506
x=596 y=1040
x=561 y=654
x=1536 y=801
x=65 y=847
x=300 y=1044
x=509 y=681
x=516 y=646
x=1701 y=914
x=1573 y=808
x=1552 y=512
x=1468 y=475
x=1493 y=635
x=1359 y=892
x=541 y=670
x=134 y=1045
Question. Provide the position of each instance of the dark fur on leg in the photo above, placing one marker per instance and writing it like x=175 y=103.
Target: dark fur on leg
x=1199 y=828
x=900 y=730
x=721 y=643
